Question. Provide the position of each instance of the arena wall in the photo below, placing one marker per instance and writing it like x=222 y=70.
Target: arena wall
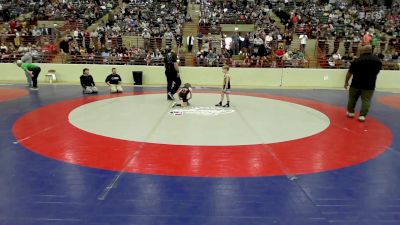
x=204 y=76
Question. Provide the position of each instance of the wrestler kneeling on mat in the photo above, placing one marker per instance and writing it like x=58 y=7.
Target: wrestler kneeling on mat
x=185 y=94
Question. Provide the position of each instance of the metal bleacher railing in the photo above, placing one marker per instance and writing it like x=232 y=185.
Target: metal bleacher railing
x=47 y=54
x=237 y=61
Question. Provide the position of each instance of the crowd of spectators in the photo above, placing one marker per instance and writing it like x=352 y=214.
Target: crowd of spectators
x=157 y=24
x=217 y=12
x=351 y=24
x=88 y=10
x=98 y=48
x=12 y=9
x=155 y=16
x=153 y=21
x=253 y=56
x=20 y=36
x=347 y=23
x=339 y=19
x=258 y=46
x=23 y=32
x=343 y=23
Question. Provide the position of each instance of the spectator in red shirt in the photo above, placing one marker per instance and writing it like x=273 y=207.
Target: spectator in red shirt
x=49 y=48
x=295 y=20
x=247 y=61
x=279 y=53
x=13 y=24
x=366 y=40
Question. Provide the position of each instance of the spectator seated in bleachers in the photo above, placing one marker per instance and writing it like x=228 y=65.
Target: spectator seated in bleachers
x=212 y=58
x=246 y=62
x=287 y=59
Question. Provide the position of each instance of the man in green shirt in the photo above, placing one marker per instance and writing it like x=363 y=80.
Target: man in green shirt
x=33 y=70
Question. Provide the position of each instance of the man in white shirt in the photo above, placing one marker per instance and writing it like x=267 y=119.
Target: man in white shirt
x=190 y=42
x=258 y=41
x=303 y=41
x=169 y=36
x=268 y=39
x=36 y=32
x=76 y=32
x=146 y=39
x=336 y=56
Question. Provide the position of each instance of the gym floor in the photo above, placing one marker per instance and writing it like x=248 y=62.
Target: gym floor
x=275 y=156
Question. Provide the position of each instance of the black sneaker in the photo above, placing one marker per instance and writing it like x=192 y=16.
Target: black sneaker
x=226 y=105
x=219 y=104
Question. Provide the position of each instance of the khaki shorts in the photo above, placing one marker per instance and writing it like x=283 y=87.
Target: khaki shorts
x=116 y=88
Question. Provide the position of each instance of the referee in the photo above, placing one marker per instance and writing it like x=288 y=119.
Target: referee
x=172 y=73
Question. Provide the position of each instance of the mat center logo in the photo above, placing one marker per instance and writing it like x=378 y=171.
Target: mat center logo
x=201 y=110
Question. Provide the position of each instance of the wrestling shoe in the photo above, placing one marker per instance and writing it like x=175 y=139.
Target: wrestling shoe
x=170 y=96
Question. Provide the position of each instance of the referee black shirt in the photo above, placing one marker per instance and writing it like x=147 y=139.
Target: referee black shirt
x=169 y=60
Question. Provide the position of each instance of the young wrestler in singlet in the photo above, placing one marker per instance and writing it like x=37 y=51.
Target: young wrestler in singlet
x=185 y=94
x=226 y=87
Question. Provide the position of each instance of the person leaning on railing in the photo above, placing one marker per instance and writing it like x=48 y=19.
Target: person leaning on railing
x=27 y=58
x=32 y=70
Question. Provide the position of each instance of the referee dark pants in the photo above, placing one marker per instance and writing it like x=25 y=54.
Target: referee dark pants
x=35 y=74
x=173 y=83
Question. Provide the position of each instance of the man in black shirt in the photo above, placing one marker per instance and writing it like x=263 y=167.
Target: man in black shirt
x=87 y=82
x=64 y=46
x=364 y=71
x=172 y=73
x=114 y=82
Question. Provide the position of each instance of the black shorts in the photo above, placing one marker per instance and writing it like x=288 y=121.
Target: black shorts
x=183 y=96
x=227 y=91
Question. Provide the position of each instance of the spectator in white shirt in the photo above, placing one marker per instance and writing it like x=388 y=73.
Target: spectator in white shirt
x=303 y=41
x=212 y=58
x=36 y=32
x=146 y=39
x=258 y=41
x=268 y=39
x=168 y=37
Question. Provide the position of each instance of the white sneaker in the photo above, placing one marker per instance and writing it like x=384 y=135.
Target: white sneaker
x=350 y=115
x=34 y=89
x=171 y=96
x=361 y=118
